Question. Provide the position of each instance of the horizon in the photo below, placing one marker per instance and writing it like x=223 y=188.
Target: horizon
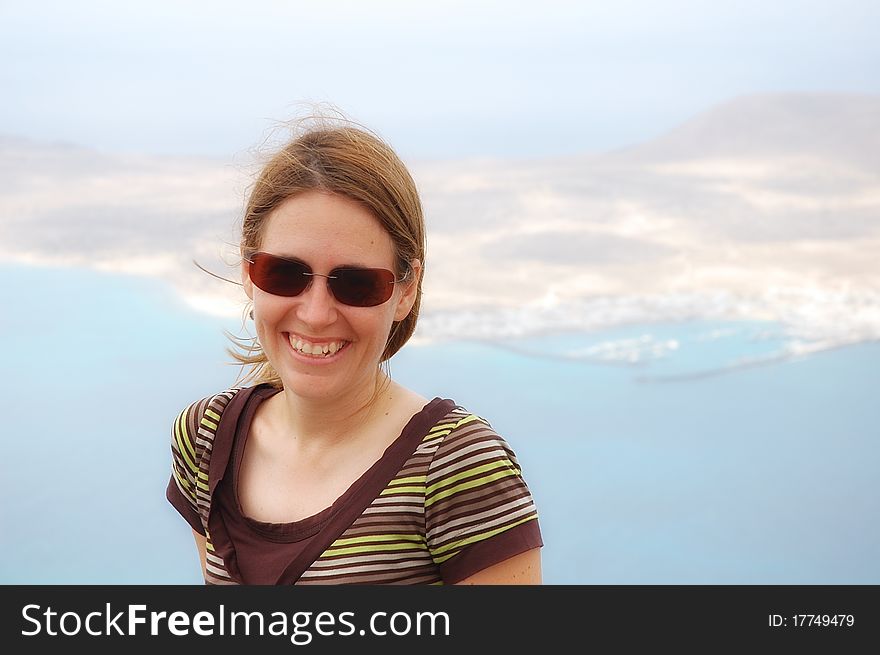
x=443 y=81
x=268 y=136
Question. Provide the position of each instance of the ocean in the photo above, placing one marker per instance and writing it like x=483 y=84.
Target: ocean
x=681 y=453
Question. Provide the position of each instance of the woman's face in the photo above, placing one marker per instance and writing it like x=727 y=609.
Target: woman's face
x=326 y=231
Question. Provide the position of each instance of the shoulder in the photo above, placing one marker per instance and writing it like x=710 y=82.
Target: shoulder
x=479 y=510
x=210 y=407
x=196 y=424
x=192 y=442
x=465 y=438
x=471 y=465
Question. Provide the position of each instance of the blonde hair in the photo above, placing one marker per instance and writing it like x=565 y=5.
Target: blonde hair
x=344 y=159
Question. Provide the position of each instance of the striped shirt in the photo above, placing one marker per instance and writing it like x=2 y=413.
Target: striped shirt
x=447 y=499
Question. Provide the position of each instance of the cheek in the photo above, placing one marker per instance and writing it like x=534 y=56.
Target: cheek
x=375 y=327
x=387 y=325
x=267 y=312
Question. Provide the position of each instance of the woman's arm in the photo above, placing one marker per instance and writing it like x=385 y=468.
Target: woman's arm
x=201 y=545
x=524 y=568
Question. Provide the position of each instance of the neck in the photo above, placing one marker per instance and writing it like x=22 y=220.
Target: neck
x=319 y=422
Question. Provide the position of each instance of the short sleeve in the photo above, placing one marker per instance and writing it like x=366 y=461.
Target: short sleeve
x=478 y=509
x=181 y=491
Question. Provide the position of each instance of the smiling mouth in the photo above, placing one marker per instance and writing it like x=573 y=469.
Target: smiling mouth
x=316 y=350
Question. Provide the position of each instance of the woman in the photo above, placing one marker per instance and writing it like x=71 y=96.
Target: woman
x=325 y=470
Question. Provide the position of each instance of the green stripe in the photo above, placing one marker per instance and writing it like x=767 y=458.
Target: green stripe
x=416 y=478
x=445 y=428
x=467 y=473
x=183 y=444
x=469 y=485
x=332 y=552
x=442 y=426
x=458 y=545
x=377 y=537
x=214 y=415
x=371 y=549
x=393 y=491
x=182 y=480
x=467 y=419
x=434 y=435
x=208 y=423
x=182 y=418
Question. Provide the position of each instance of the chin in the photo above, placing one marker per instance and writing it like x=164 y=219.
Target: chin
x=309 y=386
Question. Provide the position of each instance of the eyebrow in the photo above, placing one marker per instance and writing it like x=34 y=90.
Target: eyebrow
x=299 y=260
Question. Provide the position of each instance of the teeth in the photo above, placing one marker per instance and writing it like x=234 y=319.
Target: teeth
x=314 y=349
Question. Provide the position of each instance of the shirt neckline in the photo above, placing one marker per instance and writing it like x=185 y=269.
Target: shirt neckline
x=293 y=531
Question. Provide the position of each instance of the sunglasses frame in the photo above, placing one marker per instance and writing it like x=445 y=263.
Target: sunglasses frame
x=335 y=274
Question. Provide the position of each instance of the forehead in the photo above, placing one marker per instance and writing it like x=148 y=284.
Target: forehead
x=318 y=226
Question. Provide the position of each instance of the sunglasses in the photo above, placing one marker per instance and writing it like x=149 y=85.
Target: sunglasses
x=356 y=287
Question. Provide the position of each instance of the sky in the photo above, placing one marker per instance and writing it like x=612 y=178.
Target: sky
x=444 y=79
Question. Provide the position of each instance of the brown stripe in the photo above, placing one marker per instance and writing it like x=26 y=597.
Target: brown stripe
x=474 y=500
x=498 y=523
x=475 y=506
x=460 y=475
x=422 y=578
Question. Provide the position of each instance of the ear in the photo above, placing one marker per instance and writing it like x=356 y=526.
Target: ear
x=409 y=288
x=246 y=279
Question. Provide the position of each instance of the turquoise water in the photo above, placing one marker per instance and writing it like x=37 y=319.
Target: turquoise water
x=674 y=466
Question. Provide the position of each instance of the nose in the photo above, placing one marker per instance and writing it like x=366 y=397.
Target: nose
x=317 y=306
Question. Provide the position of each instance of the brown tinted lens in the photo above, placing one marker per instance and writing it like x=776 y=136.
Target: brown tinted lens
x=362 y=287
x=278 y=276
